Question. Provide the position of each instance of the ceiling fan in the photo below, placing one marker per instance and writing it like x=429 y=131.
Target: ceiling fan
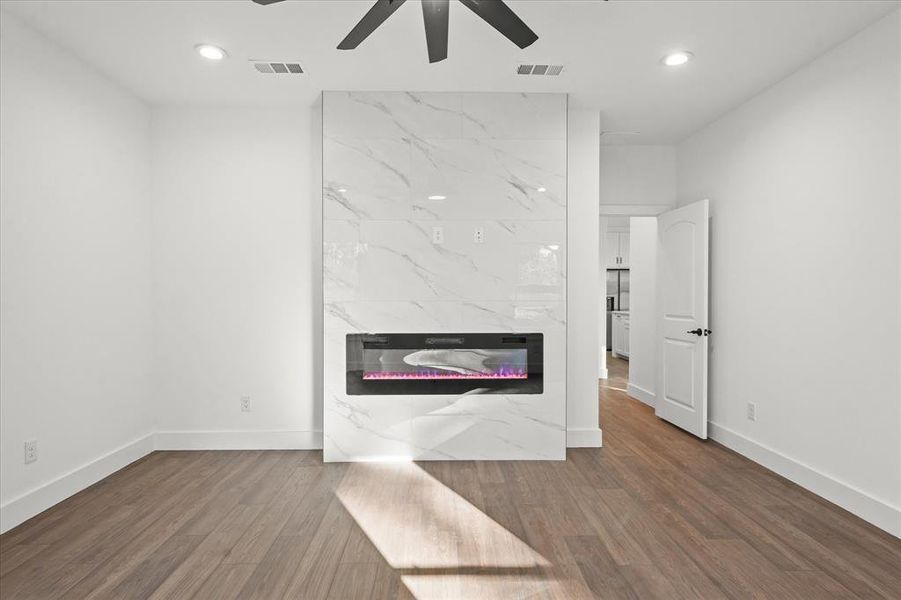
x=435 y=14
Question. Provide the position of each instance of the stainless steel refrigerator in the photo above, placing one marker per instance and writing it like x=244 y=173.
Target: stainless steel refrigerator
x=617 y=297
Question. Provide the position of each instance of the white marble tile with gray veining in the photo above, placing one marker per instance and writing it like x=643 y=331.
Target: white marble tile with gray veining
x=489 y=179
x=469 y=427
x=547 y=232
x=392 y=115
x=492 y=163
x=340 y=256
x=399 y=261
x=355 y=430
x=366 y=179
x=394 y=316
x=541 y=272
x=514 y=116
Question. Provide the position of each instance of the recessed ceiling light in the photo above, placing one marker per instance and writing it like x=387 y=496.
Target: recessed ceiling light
x=210 y=51
x=437 y=197
x=675 y=59
x=542 y=189
x=342 y=190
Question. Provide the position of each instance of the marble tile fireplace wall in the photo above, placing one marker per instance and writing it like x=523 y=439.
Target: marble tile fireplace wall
x=444 y=213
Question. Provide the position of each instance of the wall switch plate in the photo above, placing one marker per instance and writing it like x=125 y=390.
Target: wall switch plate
x=478 y=235
x=31 y=451
x=245 y=403
x=752 y=411
x=437 y=235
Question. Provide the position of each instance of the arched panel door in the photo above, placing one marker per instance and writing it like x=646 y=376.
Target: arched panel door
x=682 y=329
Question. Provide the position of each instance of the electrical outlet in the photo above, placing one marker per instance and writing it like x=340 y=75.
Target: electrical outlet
x=752 y=411
x=31 y=451
x=478 y=235
x=245 y=403
x=437 y=235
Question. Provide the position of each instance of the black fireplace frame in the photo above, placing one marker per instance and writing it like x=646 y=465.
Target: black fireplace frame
x=533 y=343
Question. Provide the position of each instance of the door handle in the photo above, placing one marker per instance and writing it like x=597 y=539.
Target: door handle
x=698 y=332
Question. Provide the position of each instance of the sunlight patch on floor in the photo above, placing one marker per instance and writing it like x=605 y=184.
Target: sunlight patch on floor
x=481 y=587
x=442 y=545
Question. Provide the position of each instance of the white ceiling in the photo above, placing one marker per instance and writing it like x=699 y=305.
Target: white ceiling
x=611 y=51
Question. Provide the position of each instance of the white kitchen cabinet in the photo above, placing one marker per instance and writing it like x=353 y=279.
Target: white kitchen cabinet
x=620 y=335
x=624 y=241
x=616 y=250
x=611 y=250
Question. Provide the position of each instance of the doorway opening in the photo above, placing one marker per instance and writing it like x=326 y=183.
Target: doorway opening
x=628 y=256
x=617 y=373
x=655 y=334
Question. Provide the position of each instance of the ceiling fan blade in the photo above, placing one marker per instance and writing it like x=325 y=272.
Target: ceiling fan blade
x=501 y=17
x=434 y=13
x=380 y=11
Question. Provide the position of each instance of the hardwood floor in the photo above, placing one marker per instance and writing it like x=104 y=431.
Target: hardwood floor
x=654 y=514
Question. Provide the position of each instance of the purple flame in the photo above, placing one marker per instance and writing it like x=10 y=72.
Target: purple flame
x=502 y=373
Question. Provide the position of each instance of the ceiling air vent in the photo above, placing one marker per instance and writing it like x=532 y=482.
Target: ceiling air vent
x=287 y=68
x=552 y=70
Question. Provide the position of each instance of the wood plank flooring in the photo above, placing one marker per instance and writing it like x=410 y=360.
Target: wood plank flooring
x=654 y=514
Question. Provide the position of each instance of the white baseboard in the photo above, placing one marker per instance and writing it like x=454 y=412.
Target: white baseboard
x=858 y=502
x=639 y=393
x=584 y=438
x=20 y=509
x=604 y=374
x=238 y=440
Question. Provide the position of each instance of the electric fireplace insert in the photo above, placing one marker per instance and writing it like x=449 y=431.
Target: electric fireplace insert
x=444 y=363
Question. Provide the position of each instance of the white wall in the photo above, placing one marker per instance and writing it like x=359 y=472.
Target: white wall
x=75 y=300
x=642 y=308
x=898 y=174
x=237 y=223
x=583 y=285
x=236 y=263
x=804 y=190
x=638 y=175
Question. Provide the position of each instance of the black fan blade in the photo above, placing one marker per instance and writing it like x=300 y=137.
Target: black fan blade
x=370 y=21
x=498 y=15
x=265 y=2
x=434 y=13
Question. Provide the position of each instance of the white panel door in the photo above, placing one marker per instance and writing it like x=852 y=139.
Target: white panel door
x=682 y=279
